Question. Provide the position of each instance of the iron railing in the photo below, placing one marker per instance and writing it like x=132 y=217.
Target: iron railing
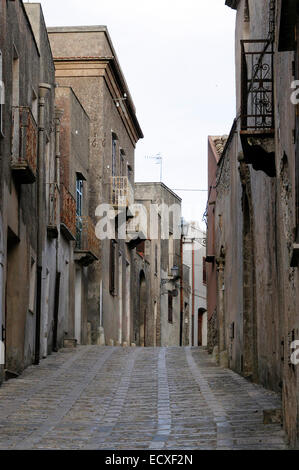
x=257 y=92
x=121 y=192
x=86 y=239
x=68 y=210
x=24 y=137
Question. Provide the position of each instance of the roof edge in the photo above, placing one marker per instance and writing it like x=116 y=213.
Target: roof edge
x=114 y=61
x=156 y=183
x=77 y=29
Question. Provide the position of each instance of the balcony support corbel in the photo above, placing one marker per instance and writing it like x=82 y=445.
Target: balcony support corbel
x=259 y=151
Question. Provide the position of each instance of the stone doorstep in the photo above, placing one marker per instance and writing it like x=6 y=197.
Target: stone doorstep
x=69 y=343
x=273 y=416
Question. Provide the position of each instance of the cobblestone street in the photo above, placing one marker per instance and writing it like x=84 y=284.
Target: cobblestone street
x=115 y=398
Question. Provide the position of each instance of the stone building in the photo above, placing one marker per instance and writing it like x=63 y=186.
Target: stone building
x=215 y=150
x=27 y=136
x=86 y=61
x=194 y=253
x=46 y=243
x=78 y=245
x=157 y=308
x=254 y=208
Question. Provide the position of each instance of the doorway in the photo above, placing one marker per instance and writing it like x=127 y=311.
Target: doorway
x=200 y=315
x=14 y=326
x=78 y=305
x=201 y=326
x=142 y=309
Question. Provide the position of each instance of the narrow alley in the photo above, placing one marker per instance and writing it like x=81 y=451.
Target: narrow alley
x=135 y=398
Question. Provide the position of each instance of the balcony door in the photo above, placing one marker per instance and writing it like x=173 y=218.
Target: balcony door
x=79 y=212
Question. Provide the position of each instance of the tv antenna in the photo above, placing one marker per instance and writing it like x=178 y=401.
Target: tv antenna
x=159 y=161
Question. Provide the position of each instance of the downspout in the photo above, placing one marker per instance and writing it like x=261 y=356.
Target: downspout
x=58 y=116
x=2 y=312
x=182 y=293
x=193 y=293
x=44 y=89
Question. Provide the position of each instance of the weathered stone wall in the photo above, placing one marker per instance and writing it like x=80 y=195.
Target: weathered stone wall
x=48 y=261
x=287 y=277
x=212 y=332
x=98 y=82
x=259 y=303
x=18 y=201
x=166 y=333
x=74 y=160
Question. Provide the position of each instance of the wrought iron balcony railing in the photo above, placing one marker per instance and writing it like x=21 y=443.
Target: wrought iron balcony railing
x=121 y=192
x=24 y=145
x=87 y=243
x=53 y=221
x=257 y=94
x=67 y=214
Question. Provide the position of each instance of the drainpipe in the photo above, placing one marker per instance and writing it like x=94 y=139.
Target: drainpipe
x=182 y=293
x=2 y=313
x=58 y=116
x=193 y=294
x=44 y=89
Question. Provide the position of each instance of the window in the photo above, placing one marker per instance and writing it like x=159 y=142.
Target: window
x=112 y=267
x=246 y=12
x=79 y=197
x=156 y=259
x=79 y=212
x=170 y=307
x=122 y=156
x=34 y=105
x=16 y=80
x=114 y=148
x=171 y=252
x=32 y=283
x=130 y=173
x=15 y=107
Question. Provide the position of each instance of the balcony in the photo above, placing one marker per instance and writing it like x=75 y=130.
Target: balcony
x=87 y=244
x=24 y=145
x=121 y=192
x=53 y=222
x=257 y=105
x=67 y=214
x=136 y=229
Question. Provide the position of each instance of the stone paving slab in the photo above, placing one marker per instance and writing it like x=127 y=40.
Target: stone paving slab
x=135 y=398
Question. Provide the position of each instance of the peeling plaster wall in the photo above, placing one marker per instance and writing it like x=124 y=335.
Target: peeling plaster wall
x=272 y=219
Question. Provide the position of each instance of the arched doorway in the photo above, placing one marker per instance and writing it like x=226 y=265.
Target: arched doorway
x=201 y=312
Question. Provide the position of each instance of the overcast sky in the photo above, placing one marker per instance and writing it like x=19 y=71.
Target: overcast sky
x=178 y=60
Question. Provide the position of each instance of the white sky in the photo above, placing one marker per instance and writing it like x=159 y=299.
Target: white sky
x=178 y=60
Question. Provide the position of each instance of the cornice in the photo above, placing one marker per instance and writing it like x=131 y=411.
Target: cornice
x=102 y=67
